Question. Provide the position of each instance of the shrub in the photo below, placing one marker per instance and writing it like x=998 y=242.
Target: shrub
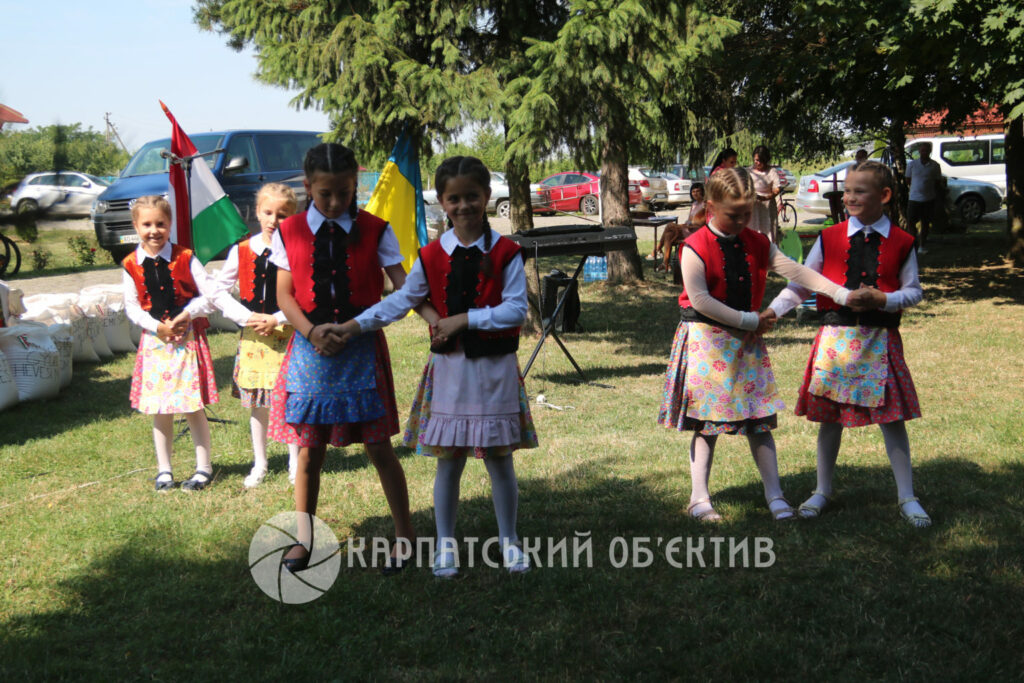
x=81 y=247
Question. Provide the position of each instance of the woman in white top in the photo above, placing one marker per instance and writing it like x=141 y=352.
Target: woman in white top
x=768 y=184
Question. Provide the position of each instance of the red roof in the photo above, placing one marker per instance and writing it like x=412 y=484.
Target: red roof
x=8 y=115
x=985 y=120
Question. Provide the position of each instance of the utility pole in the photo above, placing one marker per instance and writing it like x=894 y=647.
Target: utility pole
x=112 y=129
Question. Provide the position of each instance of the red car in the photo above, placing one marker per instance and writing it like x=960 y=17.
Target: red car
x=576 y=191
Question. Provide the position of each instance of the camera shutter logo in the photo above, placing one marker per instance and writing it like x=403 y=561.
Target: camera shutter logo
x=268 y=547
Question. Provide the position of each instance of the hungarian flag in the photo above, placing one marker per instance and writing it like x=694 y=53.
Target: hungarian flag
x=398 y=199
x=213 y=224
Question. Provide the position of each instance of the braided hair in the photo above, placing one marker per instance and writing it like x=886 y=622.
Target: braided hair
x=330 y=157
x=476 y=171
x=730 y=184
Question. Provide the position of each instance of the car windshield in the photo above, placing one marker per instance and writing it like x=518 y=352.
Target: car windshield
x=148 y=161
x=835 y=169
x=98 y=181
x=669 y=176
x=497 y=177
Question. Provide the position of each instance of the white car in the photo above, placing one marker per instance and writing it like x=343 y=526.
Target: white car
x=678 y=189
x=652 y=186
x=499 y=202
x=967 y=198
x=65 y=193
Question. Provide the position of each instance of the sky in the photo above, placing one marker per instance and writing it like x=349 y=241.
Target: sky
x=69 y=62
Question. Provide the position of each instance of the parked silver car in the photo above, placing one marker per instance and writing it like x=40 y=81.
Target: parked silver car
x=65 y=193
x=967 y=199
x=678 y=189
x=499 y=202
x=652 y=187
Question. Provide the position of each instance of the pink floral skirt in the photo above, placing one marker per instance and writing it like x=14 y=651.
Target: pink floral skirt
x=900 y=397
x=174 y=378
x=718 y=382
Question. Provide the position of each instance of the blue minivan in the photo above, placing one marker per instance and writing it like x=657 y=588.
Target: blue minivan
x=251 y=159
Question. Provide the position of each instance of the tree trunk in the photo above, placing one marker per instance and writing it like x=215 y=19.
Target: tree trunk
x=900 y=190
x=517 y=173
x=625 y=265
x=1015 y=188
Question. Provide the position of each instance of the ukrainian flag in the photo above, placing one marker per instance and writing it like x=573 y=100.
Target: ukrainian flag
x=398 y=199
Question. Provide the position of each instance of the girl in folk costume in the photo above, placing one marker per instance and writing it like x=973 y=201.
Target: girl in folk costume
x=856 y=374
x=166 y=291
x=471 y=399
x=329 y=261
x=719 y=378
x=265 y=330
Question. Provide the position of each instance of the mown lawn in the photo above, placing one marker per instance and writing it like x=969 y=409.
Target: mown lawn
x=104 y=579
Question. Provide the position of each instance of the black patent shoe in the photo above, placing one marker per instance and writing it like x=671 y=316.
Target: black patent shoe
x=164 y=486
x=295 y=564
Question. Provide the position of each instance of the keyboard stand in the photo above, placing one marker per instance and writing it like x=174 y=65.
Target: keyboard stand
x=550 y=323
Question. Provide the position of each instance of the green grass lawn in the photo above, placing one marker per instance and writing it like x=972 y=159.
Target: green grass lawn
x=104 y=579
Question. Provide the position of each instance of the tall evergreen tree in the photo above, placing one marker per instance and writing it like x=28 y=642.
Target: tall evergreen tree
x=618 y=81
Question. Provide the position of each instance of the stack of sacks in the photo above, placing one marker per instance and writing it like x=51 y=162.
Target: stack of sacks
x=120 y=336
x=88 y=308
x=8 y=389
x=11 y=306
x=58 y=308
x=65 y=342
x=33 y=359
x=108 y=303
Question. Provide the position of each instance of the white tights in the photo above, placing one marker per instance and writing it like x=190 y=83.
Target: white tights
x=259 y=419
x=504 y=491
x=163 y=439
x=897 y=447
x=762 y=448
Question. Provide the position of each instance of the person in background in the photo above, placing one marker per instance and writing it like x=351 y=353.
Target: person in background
x=924 y=176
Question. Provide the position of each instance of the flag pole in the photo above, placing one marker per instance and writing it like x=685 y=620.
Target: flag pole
x=186 y=164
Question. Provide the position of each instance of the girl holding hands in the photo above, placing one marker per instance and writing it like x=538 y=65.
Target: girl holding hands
x=265 y=329
x=330 y=261
x=719 y=378
x=471 y=400
x=166 y=293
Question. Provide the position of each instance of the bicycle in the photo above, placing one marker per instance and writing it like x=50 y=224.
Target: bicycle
x=10 y=254
x=787 y=213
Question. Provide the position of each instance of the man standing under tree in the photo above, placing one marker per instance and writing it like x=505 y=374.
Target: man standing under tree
x=924 y=176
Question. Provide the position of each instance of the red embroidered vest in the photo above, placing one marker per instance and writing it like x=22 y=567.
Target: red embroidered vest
x=267 y=301
x=883 y=273
x=751 y=246
x=365 y=277
x=185 y=288
x=464 y=271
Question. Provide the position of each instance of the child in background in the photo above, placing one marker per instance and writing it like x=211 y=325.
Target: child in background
x=265 y=330
x=719 y=378
x=329 y=261
x=856 y=374
x=166 y=292
x=471 y=399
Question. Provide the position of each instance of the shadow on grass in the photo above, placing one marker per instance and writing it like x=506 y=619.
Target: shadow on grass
x=93 y=395
x=858 y=588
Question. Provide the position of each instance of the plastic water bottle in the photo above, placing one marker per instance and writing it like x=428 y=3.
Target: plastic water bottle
x=595 y=268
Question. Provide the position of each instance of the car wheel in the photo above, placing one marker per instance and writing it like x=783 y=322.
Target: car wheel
x=28 y=206
x=588 y=205
x=971 y=208
x=503 y=208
